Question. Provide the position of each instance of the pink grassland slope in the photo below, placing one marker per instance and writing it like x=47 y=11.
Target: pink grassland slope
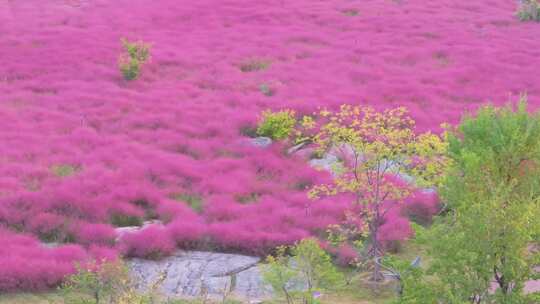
x=80 y=146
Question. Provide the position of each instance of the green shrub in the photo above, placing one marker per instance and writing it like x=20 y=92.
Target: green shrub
x=254 y=65
x=248 y=130
x=350 y=12
x=247 y=198
x=194 y=200
x=267 y=90
x=94 y=283
x=137 y=50
x=106 y=282
x=276 y=125
x=492 y=190
x=315 y=266
x=529 y=10
x=63 y=170
x=123 y=220
x=309 y=265
x=130 y=68
x=278 y=273
x=136 y=55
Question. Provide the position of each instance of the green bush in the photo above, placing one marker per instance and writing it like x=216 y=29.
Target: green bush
x=194 y=200
x=136 y=55
x=529 y=10
x=94 y=283
x=276 y=125
x=106 y=282
x=254 y=65
x=123 y=220
x=248 y=130
x=64 y=170
x=309 y=265
x=267 y=90
x=492 y=190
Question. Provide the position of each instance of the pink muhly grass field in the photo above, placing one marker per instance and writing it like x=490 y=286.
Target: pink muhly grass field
x=82 y=149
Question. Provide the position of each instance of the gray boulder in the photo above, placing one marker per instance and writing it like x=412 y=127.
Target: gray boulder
x=192 y=274
x=261 y=142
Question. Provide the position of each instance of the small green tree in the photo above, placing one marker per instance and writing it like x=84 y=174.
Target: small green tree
x=106 y=282
x=308 y=265
x=136 y=55
x=276 y=125
x=493 y=196
x=278 y=273
x=95 y=283
x=374 y=147
x=411 y=283
x=315 y=268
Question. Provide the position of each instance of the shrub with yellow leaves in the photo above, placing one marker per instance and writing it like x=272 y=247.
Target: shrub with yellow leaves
x=381 y=160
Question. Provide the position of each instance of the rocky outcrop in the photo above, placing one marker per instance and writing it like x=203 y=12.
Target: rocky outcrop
x=191 y=274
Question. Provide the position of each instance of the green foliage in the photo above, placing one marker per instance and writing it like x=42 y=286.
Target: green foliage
x=106 y=282
x=247 y=198
x=533 y=298
x=308 y=265
x=254 y=65
x=276 y=125
x=64 y=170
x=123 y=220
x=195 y=201
x=529 y=10
x=136 y=55
x=130 y=68
x=278 y=273
x=350 y=12
x=200 y=301
x=412 y=287
x=58 y=234
x=266 y=90
x=315 y=265
x=249 y=131
x=137 y=50
x=94 y=284
x=493 y=195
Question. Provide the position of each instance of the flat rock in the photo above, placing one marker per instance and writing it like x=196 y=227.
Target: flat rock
x=120 y=231
x=296 y=148
x=328 y=162
x=190 y=274
x=261 y=142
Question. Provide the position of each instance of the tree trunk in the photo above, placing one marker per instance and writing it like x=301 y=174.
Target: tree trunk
x=287 y=296
x=376 y=275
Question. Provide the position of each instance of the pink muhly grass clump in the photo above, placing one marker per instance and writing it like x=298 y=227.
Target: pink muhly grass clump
x=346 y=255
x=103 y=253
x=421 y=206
x=47 y=226
x=395 y=230
x=169 y=210
x=153 y=242
x=187 y=232
x=249 y=238
x=95 y=234
x=25 y=264
x=182 y=127
x=222 y=208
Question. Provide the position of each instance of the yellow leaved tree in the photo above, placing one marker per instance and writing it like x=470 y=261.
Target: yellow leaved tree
x=381 y=159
